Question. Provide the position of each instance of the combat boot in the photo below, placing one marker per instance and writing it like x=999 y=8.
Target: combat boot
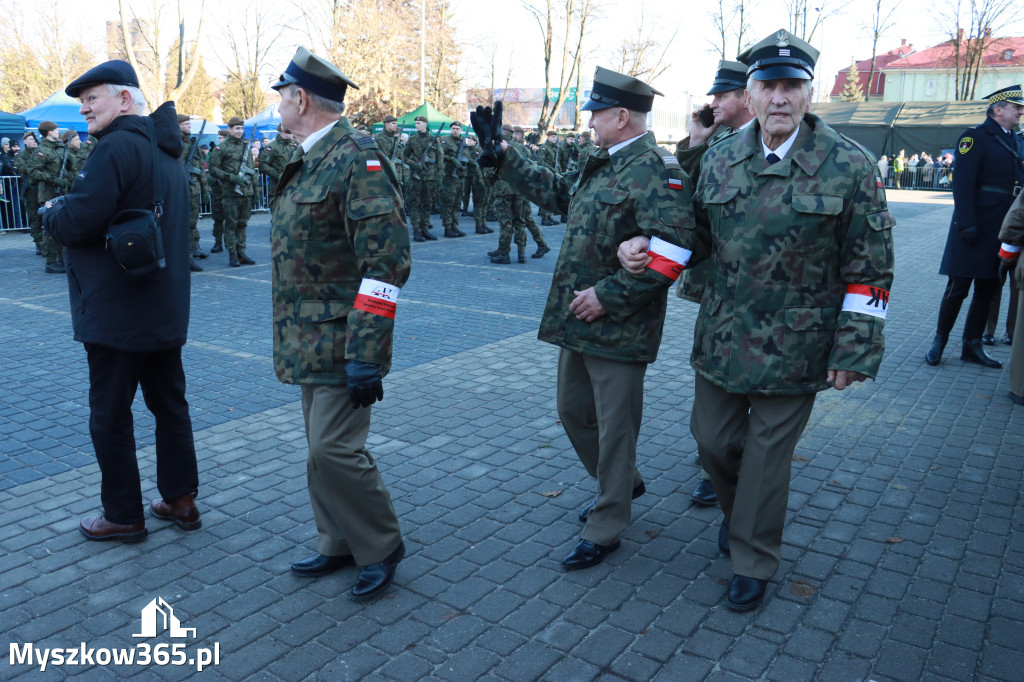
x=501 y=258
x=200 y=254
x=55 y=268
x=496 y=252
x=491 y=218
x=218 y=246
x=541 y=250
x=245 y=260
x=194 y=266
x=451 y=232
x=934 y=354
x=522 y=255
x=564 y=219
x=233 y=259
x=417 y=236
x=973 y=351
x=483 y=229
x=426 y=235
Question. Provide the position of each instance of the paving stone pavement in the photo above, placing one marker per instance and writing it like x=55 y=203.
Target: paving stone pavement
x=903 y=554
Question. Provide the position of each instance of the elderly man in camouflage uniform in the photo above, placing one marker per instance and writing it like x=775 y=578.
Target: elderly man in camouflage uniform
x=340 y=252
x=607 y=322
x=196 y=186
x=274 y=158
x=50 y=175
x=794 y=218
x=236 y=190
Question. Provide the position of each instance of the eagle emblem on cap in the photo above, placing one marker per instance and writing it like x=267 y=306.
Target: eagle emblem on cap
x=782 y=41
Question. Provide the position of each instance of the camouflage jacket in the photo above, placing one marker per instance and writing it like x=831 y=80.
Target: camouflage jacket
x=391 y=145
x=802 y=262
x=414 y=152
x=565 y=154
x=46 y=171
x=228 y=163
x=27 y=160
x=340 y=254
x=453 y=167
x=585 y=150
x=196 y=179
x=548 y=157
x=640 y=190
x=274 y=158
x=212 y=159
x=1012 y=234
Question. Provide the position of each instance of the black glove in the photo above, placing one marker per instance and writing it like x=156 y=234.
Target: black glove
x=56 y=204
x=364 y=383
x=1004 y=269
x=969 y=235
x=487 y=125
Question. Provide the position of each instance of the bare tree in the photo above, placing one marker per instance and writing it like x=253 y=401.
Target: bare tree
x=816 y=13
x=142 y=45
x=881 y=21
x=248 y=37
x=642 y=54
x=971 y=26
x=565 y=14
x=731 y=20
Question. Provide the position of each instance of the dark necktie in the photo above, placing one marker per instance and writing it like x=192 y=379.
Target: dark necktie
x=772 y=158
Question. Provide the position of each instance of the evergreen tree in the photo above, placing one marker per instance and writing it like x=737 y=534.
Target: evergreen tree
x=852 y=89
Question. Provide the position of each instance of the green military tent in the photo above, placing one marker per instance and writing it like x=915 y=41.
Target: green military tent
x=869 y=123
x=407 y=122
x=934 y=127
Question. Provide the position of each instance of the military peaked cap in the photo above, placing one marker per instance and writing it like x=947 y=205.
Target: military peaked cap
x=1012 y=94
x=780 y=55
x=613 y=89
x=730 y=76
x=315 y=74
x=114 y=72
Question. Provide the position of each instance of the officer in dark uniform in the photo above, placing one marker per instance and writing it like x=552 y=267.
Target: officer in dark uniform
x=989 y=173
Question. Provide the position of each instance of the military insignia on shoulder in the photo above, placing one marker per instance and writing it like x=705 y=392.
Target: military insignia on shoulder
x=669 y=159
x=966 y=144
x=365 y=141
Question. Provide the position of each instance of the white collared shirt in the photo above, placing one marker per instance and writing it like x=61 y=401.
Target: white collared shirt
x=313 y=138
x=620 y=145
x=783 y=148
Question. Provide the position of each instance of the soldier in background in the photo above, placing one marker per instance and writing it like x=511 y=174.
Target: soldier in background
x=586 y=148
x=567 y=158
x=274 y=158
x=420 y=196
x=236 y=190
x=547 y=156
x=216 y=197
x=347 y=266
x=522 y=205
x=766 y=341
x=50 y=176
x=453 y=149
x=480 y=185
x=196 y=187
x=29 y=190
x=392 y=142
x=506 y=203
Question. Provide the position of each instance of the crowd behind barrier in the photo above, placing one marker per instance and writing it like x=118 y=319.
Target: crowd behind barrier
x=933 y=178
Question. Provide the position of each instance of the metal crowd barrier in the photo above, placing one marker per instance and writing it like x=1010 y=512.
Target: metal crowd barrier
x=935 y=179
x=12 y=213
x=260 y=200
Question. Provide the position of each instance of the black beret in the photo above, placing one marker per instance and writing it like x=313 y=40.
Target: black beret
x=115 y=72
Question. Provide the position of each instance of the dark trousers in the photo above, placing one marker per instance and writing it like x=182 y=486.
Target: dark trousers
x=114 y=376
x=1011 y=310
x=952 y=299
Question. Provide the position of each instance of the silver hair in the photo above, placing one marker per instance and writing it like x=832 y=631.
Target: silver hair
x=328 y=106
x=139 y=105
x=808 y=84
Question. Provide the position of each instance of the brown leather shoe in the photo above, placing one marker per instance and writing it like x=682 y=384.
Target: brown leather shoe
x=99 y=528
x=182 y=511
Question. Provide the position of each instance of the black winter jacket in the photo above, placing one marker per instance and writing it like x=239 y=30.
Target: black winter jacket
x=109 y=307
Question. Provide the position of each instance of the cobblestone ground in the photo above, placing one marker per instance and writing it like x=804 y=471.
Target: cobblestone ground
x=904 y=544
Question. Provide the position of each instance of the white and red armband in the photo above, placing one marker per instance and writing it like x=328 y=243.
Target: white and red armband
x=667 y=258
x=868 y=300
x=379 y=298
x=1008 y=251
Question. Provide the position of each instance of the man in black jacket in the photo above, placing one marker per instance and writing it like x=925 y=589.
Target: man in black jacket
x=133 y=328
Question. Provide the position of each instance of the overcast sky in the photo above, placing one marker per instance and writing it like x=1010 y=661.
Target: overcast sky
x=518 y=39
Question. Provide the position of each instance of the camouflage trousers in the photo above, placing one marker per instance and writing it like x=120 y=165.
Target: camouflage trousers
x=193 y=219
x=418 y=202
x=217 y=213
x=527 y=213
x=35 y=225
x=481 y=199
x=52 y=251
x=510 y=220
x=236 y=218
x=451 y=202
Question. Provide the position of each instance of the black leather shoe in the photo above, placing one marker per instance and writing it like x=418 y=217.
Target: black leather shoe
x=974 y=352
x=745 y=593
x=585 y=512
x=988 y=340
x=586 y=554
x=320 y=564
x=217 y=248
x=934 y=354
x=375 y=578
x=1018 y=399
x=1007 y=339
x=704 y=494
x=541 y=250
x=723 y=537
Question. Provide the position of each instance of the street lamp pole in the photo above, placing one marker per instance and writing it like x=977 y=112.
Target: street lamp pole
x=423 y=51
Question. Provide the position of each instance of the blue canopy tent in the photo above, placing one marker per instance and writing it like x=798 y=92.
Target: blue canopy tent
x=209 y=132
x=60 y=109
x=12 y=125
x=266 y=123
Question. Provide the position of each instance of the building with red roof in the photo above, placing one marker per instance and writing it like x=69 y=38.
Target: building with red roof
x=877 y=89
x=930 y=75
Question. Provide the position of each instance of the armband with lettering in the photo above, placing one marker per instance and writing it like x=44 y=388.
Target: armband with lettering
x=379 y=298
x=1008 y=251
x=865 y=299
x=667 y=258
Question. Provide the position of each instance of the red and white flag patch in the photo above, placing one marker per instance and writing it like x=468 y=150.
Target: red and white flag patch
x=675 y=183
x=667 y=258
x=1009 y=251
x=379 y=298
x=867 y=300
x=878 y=181
x=373 y=164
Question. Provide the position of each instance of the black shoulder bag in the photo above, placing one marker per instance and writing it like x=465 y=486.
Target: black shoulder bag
x=134 y=236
